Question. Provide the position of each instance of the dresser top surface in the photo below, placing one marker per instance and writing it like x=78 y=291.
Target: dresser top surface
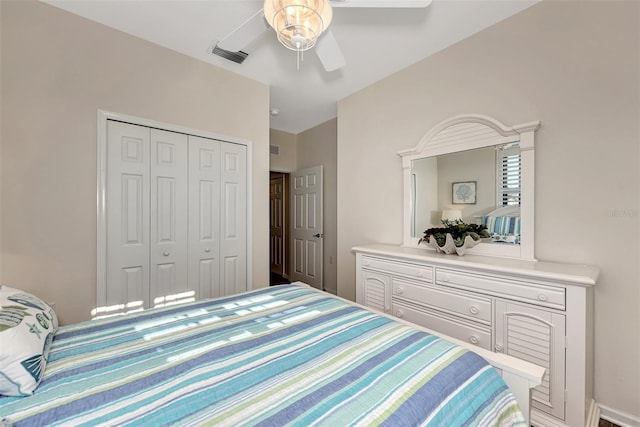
x=576 y=274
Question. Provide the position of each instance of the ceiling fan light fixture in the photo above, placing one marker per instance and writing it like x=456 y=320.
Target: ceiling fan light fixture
x=298 y=23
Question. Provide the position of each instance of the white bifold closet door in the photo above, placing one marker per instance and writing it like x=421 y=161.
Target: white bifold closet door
x=217 y=217
x=176 y=217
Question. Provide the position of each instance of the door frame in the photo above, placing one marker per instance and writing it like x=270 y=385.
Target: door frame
x=101 y=246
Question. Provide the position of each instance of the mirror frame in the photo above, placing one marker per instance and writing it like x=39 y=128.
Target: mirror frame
x=466 y=132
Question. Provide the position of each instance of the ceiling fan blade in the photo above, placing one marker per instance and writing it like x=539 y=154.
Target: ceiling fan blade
x=380 y=3
x=329 y=52
x=247 y=32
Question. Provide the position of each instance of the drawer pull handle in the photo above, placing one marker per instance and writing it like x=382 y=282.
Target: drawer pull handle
x=207 y=250
x=399 y=314
x=542 y=297
x=498 y=348
x=474 y=339
x=474 y=310
x=420 y=274
x=366 y=262
x=446 y=278
x=165 y=253
x=399 y=291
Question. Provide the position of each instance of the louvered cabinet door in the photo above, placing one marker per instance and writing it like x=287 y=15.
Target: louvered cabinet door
x=537 y=336
x=375 y=291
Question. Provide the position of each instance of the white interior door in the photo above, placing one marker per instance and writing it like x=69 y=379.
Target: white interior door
x=307 y=223
x=172 y=217
x=127 y=216
x=233 y=218
x=169 y=199
x=204 y=217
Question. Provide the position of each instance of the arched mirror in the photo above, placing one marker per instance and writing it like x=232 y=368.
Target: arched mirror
x=474 y=168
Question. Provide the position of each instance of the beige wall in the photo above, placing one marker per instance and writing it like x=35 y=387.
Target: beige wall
x=57 y=71
x=474 y=165
x=313 y=147
x=1 y=97
x=286 y=160
x=318 y=146
x=575 y=67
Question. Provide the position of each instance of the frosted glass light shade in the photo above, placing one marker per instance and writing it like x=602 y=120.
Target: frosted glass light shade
x=298 y=23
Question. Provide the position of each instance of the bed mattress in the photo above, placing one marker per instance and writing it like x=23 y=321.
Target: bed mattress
x=284 y=355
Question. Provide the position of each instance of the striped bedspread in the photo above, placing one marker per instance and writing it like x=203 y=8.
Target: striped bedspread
x=285 y=355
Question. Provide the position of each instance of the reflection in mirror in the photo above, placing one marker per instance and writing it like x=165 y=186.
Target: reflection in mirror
x=487 y=190
x=506 y=185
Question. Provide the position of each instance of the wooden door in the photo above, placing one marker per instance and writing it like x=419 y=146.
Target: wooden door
x=277 y=232
x=307 y=223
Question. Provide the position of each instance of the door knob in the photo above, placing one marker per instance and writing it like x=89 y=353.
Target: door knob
x=318 y=235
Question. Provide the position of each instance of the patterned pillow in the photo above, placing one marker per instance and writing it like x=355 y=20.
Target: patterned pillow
x=502 y=225
x=27 y=327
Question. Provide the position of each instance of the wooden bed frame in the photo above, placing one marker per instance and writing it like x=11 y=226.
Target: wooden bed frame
x=520 y=376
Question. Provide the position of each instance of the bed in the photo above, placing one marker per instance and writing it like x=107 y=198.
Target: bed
x=503 y=224
x=283 y=355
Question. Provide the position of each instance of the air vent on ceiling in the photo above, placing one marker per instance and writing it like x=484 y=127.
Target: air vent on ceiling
x=274 y=149
x=237 y=57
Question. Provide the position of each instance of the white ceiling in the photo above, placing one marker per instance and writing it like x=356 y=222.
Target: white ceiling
x=376 y=42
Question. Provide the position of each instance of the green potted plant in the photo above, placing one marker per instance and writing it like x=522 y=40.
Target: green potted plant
x=455 y=236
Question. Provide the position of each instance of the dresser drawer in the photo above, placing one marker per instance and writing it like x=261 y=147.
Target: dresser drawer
x=466 y=333
x=469 y=306
x=547 y=296
x=414 y=271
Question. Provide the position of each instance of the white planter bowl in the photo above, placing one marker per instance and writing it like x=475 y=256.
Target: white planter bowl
x=450 y=247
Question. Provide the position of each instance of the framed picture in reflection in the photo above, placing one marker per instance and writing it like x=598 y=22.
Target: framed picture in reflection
x=464 y=193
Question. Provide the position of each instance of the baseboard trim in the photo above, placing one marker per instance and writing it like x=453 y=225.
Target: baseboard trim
x=618 y=417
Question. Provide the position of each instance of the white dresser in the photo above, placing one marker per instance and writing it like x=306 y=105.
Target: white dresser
x=537 y=311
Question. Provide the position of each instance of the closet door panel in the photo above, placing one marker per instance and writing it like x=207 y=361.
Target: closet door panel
x=233 y=243
x=204 y=217
x=169 y=199
x=127 y=206
x=176 y=218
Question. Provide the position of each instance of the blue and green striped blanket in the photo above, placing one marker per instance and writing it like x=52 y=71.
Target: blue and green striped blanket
x=285 y=355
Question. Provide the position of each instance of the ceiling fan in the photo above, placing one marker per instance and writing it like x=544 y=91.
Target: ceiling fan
x=300 y=25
